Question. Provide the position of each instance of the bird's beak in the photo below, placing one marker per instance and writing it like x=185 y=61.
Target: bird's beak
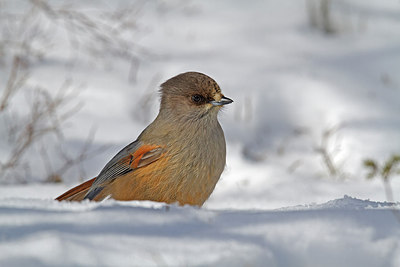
x=224 y=100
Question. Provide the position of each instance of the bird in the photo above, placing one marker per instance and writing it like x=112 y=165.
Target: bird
x=178 y=158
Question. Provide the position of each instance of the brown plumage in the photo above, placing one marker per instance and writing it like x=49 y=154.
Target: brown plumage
x=179 y=157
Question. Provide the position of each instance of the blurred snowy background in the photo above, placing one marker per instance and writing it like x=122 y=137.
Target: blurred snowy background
x=316 y=87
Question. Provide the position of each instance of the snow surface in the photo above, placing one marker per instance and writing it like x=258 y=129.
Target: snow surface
x=342 y=232
x=290 y=83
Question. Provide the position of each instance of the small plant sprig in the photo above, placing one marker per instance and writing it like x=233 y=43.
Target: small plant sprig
x=387 y=170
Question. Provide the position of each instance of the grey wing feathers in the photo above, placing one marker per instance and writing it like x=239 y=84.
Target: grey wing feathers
x=113 y=169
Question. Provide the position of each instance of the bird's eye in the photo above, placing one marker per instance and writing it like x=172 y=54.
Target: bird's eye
x=198 y=99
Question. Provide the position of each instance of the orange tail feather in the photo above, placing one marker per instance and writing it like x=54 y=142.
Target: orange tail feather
x=77 y=193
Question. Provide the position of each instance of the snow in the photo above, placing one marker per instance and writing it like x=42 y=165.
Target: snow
x=275 y=204
x=342 y=232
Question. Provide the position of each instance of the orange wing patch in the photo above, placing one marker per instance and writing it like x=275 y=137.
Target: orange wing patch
x=145 y=155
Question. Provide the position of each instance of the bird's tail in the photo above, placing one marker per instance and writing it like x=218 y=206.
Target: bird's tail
x=77 y=193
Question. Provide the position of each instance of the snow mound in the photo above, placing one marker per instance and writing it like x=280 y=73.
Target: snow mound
x=347 y=203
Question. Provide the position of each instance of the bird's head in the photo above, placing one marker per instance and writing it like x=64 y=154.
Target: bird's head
x=192 y=95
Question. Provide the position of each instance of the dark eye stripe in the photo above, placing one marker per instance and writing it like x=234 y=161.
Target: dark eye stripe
x=198 y=99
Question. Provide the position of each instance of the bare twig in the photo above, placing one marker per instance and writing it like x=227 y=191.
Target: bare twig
x=26 y=39
x=43 y=119
x=15 y=82
x=71 y=161
x=319 y=14
x=326 y=151
x=105 y=36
